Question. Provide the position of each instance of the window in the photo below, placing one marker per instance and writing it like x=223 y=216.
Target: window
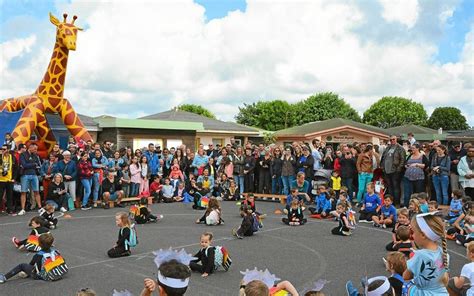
x=219 y=141
x=140 y=143
x=197 y=143
x=173 y=143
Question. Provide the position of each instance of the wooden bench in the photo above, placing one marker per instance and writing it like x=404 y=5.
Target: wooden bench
x=130 y=199
x=272 y=197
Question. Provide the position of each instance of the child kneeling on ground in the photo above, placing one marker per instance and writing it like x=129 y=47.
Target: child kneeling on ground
x=127 y=237
x=344 y=228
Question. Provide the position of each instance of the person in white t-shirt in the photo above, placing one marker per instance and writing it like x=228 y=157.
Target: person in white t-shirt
x=461 y=285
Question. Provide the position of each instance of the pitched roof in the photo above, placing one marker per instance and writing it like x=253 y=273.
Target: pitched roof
x=463 y=136
x=112 y=122
x=320 y=126
x=55 y=122
x=208 y=123
x=411 y=128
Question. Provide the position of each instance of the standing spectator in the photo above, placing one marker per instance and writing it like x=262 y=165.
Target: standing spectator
x=8 y=173
x=167 y=161
x=30 y=165
x=414 y=178
x=305 y=164
x=328 y=160
x=46 y=173
x=145 y=174
x=264 y=185
x=67 y=168
x=239 y=168
x=466 y=172
x=179 y=157
x=107 y=150
x=115 y=162
x=275 y=171
x=9 y=141
x=411 y=139
x=337 y=161
x=455 y=155
x=211 y=152
x=366 y=164
x=440 y=166
x=153 y=161
x=188 y=160
x=392 y=163
x=200 y=162
x=348 y=171
x=288 y=170
x=315 y=152
x=128 y=155
x=135 y=177
x=57 y=152
x=99 y=164
x=249 y=166
x=85 y=173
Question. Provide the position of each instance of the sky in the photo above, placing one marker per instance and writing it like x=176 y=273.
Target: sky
x=136 y=58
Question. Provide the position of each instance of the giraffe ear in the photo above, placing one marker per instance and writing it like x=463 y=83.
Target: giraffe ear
x=53 y=19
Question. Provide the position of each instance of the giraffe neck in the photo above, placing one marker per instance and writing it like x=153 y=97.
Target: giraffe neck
x=55 y=76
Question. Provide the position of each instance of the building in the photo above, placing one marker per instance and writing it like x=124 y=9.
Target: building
x=420 y=133
x=332 y=131
x=62 y=134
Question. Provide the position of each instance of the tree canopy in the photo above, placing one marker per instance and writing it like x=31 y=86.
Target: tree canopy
x=395 y=111
x=198 y=109
x=447 y=118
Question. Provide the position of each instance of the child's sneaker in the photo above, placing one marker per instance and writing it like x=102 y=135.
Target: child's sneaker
x=376 y=225
x=16 y=242
x=351 y=290
x=160 y=217
x=384 y=226
x=458 y=242
x=2 y=278
x=346 y=233
x=285 y=211
x=364 y=221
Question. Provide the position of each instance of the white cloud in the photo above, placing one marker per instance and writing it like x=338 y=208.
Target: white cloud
x=137 y=58
x=402 y=11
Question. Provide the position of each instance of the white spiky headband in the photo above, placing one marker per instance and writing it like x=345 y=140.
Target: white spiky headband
x=261 y=275
x=162 y=256
x=122 y=293
x=317 y=286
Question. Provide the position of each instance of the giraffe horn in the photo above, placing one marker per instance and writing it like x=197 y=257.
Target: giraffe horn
x=74 y=18
x=65 y=17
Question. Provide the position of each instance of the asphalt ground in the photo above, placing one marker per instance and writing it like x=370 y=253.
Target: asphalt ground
x=300 y=254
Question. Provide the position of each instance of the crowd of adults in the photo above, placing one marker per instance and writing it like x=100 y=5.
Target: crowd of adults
x=80 y=170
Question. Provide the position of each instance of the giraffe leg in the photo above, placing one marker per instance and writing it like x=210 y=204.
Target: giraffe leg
x=45 y=133
x=72 y=121
x=27 y=123
x=14 y=104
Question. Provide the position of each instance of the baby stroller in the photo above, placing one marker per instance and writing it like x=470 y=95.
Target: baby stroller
x=321 y=177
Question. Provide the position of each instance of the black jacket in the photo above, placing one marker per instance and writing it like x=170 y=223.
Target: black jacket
x=206 y=258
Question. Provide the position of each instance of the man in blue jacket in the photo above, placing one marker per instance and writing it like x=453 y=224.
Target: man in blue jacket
x=30 y=165
x=67 y=168
x=153 y=161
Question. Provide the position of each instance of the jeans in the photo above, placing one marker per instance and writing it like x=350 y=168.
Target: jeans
x=349 y=183
x=393 y=181
x=286 y=180
x=276 y=185
x=239 y=181
x=71 y=189
x=29 y=181
x=87 y=184
x=61 y=203
x=95 y=187
x=410 y=187
x=364 y=179
x=441 y=183
x=134 y=187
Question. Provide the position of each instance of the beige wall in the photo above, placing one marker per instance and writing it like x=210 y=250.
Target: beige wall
x=349 y=136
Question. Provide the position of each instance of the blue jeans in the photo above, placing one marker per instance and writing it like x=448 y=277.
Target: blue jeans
x=286 y=180
x=410 y=187
x=441 y=183
x=87 y=184
x=364 y=179
x=277 y=185
x=239 y=181
x=29 y=181
x=134 y=188
x=349 y=183
x=96 y=187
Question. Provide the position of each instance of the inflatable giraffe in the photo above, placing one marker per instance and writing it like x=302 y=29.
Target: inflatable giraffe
x=48 y=97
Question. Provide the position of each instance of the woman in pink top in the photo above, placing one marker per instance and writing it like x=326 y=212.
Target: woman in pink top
x=135 y=176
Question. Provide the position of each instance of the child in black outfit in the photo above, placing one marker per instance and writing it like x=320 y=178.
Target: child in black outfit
x=144 y=215
x=31 y=243
x=121 y=248
x=246 y=228
x=205 y=255
x=194 y=191
x=47 y=213
x=344 y=228
x=405 y=245
x=295 y=214
x=35 y=268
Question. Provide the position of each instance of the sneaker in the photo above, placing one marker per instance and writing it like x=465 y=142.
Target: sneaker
x=458 y=242
x=22 y=275
x=106 y=206
x=63 y=210
x=160 y=217
x=52 y=227
x=384 y=226
x=351 y=290
x=21 y=213
x=41 y=211
x=346 y=233
x=377 y=225
x=85 y=208
x=95 y=205
x=285 y=211
x=303 y=208
x=119 y=205
x=364 y=221
x=16 y=242
x=2 y=278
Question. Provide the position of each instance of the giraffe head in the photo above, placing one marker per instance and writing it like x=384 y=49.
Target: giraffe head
x=66 y=33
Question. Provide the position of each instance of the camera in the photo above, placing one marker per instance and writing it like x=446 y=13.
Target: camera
x=5 y=169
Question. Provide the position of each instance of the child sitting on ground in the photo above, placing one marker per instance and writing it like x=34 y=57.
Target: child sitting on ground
x=233 y=192
x=295 y=215
x=403 y=220
x=213 y=214
x=31 y=242
x=455 y=207
x=323 y=203
x=293 y=196
x=413 y=208
x=387 y=214
x=47 y=213
x=342 y=199
x=143 y=214
x=246 y=227
x=404 y=245
x=54 y=267
x=432 y=206
x=262 y=283
x=155 y=188
x=176 y=176
x=179 y=192
x=205 y=255
x=467 y=234
x=423 y=199
x=371 y=204
x=396 y=264
x=250 y=202
x=167 y=191
x=461 y=285
x=124 y=242
x=223 y=185
x=344 y=227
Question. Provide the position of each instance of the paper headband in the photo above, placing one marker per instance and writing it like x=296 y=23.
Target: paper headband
x=425 y=228
x=261 y=275
x=317 y=286
x=380 y=290
x=162 y=256
x=172 y=282
x=122 y=293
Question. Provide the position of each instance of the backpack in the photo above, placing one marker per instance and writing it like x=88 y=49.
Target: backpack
x=132 y=240
x=32 y=243
x=53 y=266
x=134 y=211
x=221 y=258
x=406 y=284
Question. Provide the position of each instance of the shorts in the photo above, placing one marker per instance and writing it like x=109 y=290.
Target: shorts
x=113 y=196
x=29 y=181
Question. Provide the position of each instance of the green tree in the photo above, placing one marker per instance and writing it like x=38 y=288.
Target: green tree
x=448 y=118
x=268 y=115
x=198 y=109
x=395 y=111
x=324 y=106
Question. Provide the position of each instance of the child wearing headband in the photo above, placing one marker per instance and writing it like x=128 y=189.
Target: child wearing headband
x=428 y=268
